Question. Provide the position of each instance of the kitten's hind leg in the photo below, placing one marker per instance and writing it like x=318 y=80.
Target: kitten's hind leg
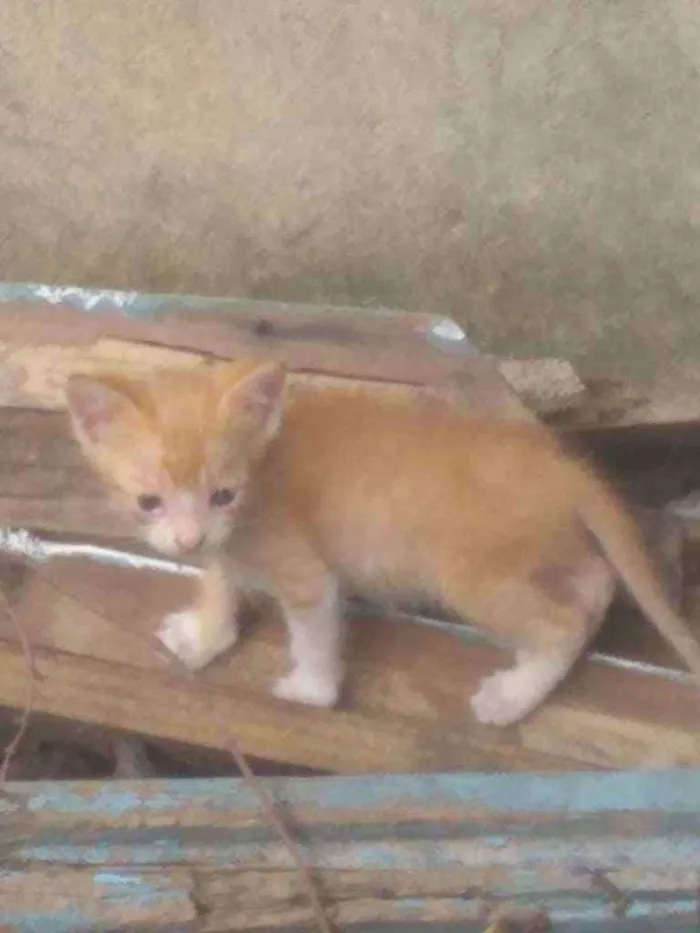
x=508 y=696
x=312 y=615
x=207 y=629
x=550 y=619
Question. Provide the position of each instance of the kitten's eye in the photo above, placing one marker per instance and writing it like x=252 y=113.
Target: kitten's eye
x=149 y=503
x=222 y=497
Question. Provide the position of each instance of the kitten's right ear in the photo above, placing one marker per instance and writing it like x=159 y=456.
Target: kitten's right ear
x=93 y=405
x=260 y=392
x=257 y=397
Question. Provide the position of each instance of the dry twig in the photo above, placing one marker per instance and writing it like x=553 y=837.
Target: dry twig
x=270 y=811
x=602 y=884
x=34 y=675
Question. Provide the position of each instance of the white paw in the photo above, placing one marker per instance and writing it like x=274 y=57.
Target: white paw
x=310 y=689
x=502 y=699
x=182 y=635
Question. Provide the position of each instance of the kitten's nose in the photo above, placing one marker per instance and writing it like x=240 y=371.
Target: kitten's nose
x=188 y=539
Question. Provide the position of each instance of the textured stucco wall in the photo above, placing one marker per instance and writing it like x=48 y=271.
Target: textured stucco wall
x=531 y=167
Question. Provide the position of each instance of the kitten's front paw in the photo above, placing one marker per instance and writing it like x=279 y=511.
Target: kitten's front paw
x=184 y=635
x=301 y=686
x=499 y=701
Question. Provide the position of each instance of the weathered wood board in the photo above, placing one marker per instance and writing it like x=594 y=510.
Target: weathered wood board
x=49 y=335
x=377 y=344
x=591 y=851
x=33 y=375
x=405 y=708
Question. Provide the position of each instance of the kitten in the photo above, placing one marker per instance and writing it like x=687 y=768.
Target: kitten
x=335 y=490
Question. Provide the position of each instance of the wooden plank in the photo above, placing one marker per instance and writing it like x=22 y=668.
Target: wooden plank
x=77 y=900
x=33 y=375
x=372 y=343
x=45 y=482
x=405 y=707
x=376 y=344
x=106 y=669
x=346 y=340
x=665 y=536
x=412 y=348
x=395 y=853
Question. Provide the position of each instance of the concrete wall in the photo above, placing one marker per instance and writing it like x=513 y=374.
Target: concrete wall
x=531 y=167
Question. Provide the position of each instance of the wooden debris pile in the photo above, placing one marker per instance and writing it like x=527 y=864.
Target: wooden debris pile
x=104 y=687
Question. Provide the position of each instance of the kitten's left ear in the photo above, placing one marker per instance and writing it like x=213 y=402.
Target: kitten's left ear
x=93 y=405
x=260 y=396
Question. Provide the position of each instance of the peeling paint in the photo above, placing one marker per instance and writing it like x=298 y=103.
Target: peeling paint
x=590 y=793
x=137 y=847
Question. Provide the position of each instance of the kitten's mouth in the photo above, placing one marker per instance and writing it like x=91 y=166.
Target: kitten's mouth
x=195 y=558
x=201 y=550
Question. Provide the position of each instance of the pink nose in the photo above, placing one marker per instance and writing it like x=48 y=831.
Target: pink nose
x=187 y=539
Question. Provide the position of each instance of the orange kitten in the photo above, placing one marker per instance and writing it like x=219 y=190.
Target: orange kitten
x=334 y=491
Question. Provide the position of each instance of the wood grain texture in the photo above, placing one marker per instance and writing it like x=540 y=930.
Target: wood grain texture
x=381 y=345
x=102 y=666
x=33 y=375
x=45 y=483
x=405 y=707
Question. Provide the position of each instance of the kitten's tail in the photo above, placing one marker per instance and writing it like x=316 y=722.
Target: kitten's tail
x=621 y=541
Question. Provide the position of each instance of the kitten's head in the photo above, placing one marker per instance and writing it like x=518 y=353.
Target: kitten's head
x=176 y=448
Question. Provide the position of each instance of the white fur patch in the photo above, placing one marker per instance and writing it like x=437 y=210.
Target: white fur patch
x=161 y=538
x=499 y=700
x=507 y=696
x=194 y=644
x=316 y=648
x=308 y=687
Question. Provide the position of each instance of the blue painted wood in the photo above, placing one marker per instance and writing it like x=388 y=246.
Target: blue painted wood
x=402 y=853
x=580 y=793
x=145 y=305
